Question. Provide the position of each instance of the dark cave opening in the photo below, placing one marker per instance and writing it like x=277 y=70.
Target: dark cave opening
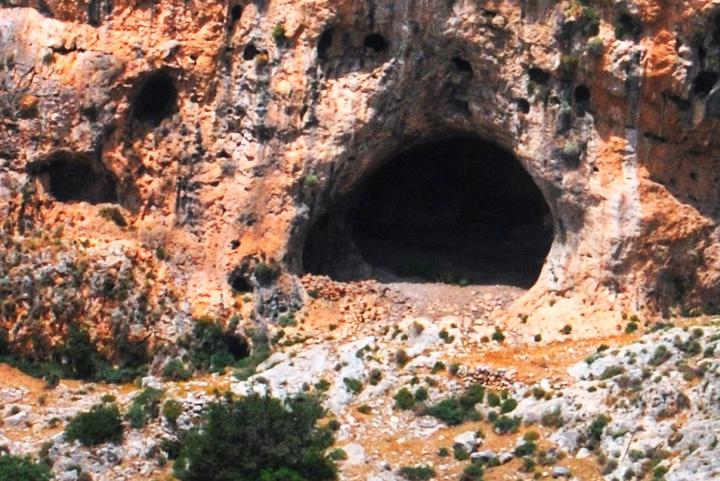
x=460 y=210
x=156 y=100
x=70 y=178
x=376 y=42
x=704 y=82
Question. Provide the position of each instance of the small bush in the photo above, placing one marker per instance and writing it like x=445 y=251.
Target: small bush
x=353 y=385
x=404 y=399
x=552 y=419
x=175 y=370
x=417 y=473
x=258 y=439
x=508 y=405
x=595 y=47
x=454 y=368
x=493 y=399
x=631 y=327
x=171 y=411
x=660 y=355
x=569 y=65
x=505 y=424
x=460 y=453
x=213 y=348
x=421 y=394
x=567 y=329
x=266 y=273
x=498 y=335
x=596 y=429
x=443 y=452
x=338 y=455
x=437 y=367
x=113 y=214
x=456 y=410
x=401 y=357
x=144 y=407
x=278 y=34
x=15 y=468
x=473 y=472
x=102 y=423
x=612 y=371
x=525 y=449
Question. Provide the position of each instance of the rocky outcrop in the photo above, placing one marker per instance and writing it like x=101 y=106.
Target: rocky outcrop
x=222 y=132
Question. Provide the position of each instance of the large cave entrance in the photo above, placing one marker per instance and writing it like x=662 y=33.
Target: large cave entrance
x=461 y=210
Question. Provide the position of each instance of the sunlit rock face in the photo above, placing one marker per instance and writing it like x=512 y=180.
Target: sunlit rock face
x=569 y=150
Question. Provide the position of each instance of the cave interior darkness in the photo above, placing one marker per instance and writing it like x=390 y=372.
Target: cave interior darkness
x=459 y=211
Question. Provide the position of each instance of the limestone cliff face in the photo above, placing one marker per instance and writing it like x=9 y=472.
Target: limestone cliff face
x=220 y=132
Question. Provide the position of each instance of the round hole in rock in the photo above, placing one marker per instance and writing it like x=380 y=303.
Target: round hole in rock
x=460 y=210
x=324 y=43
x=235 y=14
x=250 y=52
x=462 y=65
x=704 y=82
x=156 y=100
x=376 y=42
x=76 y=178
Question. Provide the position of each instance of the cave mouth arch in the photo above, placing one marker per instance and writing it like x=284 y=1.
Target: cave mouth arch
x=457 y=210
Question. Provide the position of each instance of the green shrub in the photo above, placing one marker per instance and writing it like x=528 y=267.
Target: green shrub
x=498 y=335
x=631 y=327
x=595 y=47
x=417 y=473
x=353 y=385
x=552 y=419
x=421 y=394
x=15 y=468
x=456 y=410
x=660 y=355
x=505 y=424
x=508 y=405
x=175 y=370
x=611 y=371
x=258 y=438
x=278 y=34
x=596 y=429
x=401 y=357
x=472 y=472
x=569 y=65
x=525 y=449
x=172 y=410
x=443 y=452
x=404 y=399
x=589 y=21
x=266 y=273
x=460 y=453
x=102 y=423
x=493 y=399
x=437 y=367
x=212 y=348
x=338 y=455
x=144 y=407
x=113 y=214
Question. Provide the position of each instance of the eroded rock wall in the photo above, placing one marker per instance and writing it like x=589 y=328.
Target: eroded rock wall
x=610 y=107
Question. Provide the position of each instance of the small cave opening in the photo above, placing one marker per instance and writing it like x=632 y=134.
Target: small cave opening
x=704 y=82
x=376 y=42
x=539 y=76
x=235 y=14
x=459 y=210
x=250 y=51
x=156 y=99
x=76 y=178
x=325 y=42
x=582 y=97
x=462 y=65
